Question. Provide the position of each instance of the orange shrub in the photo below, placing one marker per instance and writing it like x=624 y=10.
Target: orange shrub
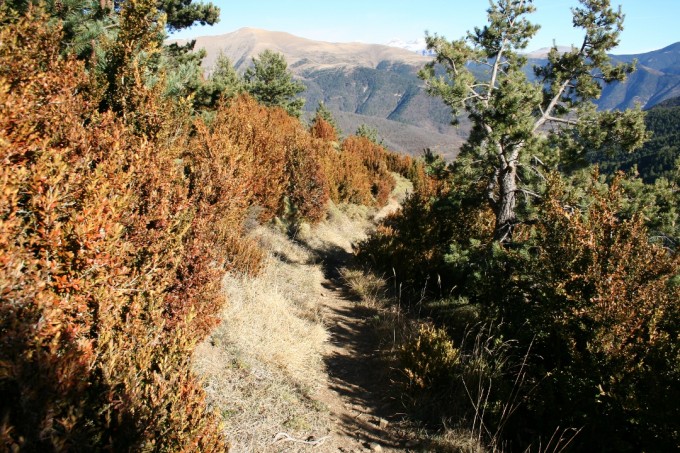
x=358 y=173
x=115 y=231
x=322 y=129
x=399 y=163
x=92 y=223
x=284 y=158
x=308 y=189
x=261 y=133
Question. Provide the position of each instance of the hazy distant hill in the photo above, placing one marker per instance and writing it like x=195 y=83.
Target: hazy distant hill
x=657 y=79
x=378 y=85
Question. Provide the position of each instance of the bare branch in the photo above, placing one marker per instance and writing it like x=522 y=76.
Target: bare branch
x=558 y=95
x=529 y=192
x=555 y=119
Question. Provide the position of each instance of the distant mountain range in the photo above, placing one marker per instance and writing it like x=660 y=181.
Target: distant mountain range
x=656 y=79
x=378 y=84
x=418 y=46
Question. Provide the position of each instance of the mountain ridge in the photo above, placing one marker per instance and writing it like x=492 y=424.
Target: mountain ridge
x=380 y=81
x=244 y=43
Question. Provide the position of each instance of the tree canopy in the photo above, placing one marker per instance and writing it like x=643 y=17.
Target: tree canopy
x=270 y=82
x=509 y=112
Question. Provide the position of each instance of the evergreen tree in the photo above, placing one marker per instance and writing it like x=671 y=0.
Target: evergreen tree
x=186 y=13
x=325 y=114
x=371 y=133
x=112 y=34
x=222 y=83
x=270 y=82
x=509 y=112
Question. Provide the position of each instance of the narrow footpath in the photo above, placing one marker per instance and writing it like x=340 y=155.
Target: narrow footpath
x=364 y=416
x=295 y=365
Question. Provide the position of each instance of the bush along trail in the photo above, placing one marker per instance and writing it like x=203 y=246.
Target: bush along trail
x=187 y=266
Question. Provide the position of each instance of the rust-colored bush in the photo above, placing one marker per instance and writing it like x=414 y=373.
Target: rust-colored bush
x=324 y=130
x=399 y=163
x=283 y=159
x=358 y=173
x=89 y=254
x=308 y=189
x=261 y=133
x=119 y=213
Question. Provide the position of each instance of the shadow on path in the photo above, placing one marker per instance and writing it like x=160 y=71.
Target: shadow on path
x=357 y=371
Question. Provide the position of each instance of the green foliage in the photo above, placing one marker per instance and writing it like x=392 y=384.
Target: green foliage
x=582 y=276
x=371 y=133
x=86 y=22
x=270 y=82
x=582 y=288
x=185 y=13
x=223 y=83
x=608 y=133
x=508 y=111
x=428 y=359
x=595 y=297
x=472 y=383
x=658 y=156
x=658 y=204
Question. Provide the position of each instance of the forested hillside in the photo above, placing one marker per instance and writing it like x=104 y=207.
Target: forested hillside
x=659 y=156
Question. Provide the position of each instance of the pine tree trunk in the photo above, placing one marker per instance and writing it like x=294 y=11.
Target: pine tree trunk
x=505 y=209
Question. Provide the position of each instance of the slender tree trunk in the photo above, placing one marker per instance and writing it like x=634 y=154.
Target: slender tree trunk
x=505 y=208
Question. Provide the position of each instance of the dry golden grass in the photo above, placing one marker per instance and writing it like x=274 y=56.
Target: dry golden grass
x=272 y=319
x=281 y=247
x=263 y=363
x=344 y=225
x=256 y=400
x=369 y=288
x=456 y=441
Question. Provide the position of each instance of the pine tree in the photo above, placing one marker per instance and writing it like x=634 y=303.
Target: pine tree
x=185 y=13
x=222 y=83
x=324 y=113
x=270 y=82
x=371 y=133
x=509 y=112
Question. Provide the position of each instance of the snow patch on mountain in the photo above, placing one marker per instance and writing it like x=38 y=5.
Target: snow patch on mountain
x=417 y=45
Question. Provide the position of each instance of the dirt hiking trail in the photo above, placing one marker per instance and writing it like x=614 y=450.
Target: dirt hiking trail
x=295 y=365
x=365 y=418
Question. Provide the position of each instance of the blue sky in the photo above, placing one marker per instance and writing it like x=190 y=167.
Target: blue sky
x=649 y=25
